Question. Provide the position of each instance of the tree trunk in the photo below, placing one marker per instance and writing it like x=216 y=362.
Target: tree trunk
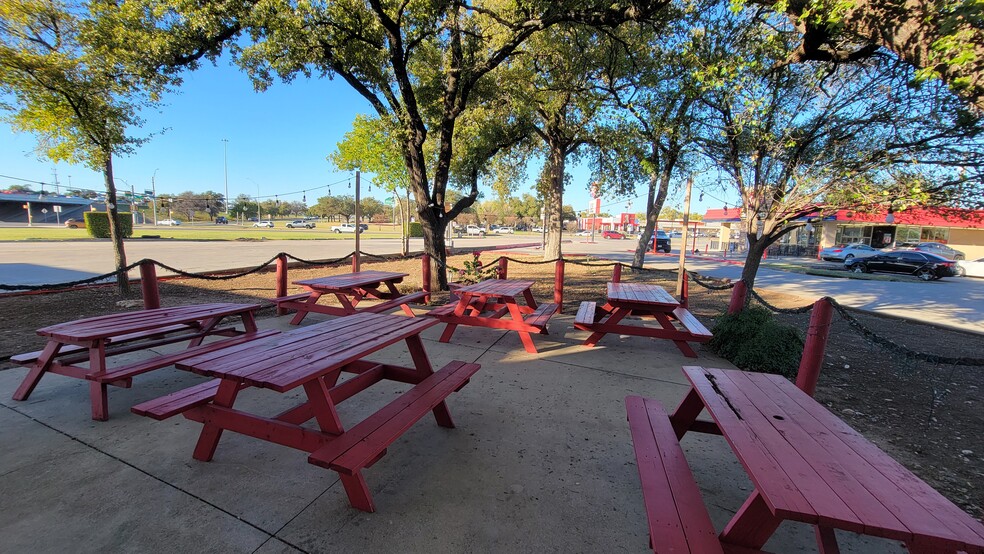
x=555 y=202
x=122 y=279
x=756 y=248
x=659 y=185
x=435 y=245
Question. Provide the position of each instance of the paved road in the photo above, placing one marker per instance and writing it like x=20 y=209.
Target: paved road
x=955 y=302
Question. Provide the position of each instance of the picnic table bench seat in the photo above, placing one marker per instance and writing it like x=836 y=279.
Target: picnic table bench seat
x=540 y=316
x=586 y=313
x=291 y=298
x=696 y=328
x=678 y=518
x=178 y=401
x=124 y=373
x=361 y=446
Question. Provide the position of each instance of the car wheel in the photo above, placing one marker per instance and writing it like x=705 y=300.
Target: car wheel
x=859 y=268
x=926 y=274
x=337 y=231
x=848 y=258
x=959 y=271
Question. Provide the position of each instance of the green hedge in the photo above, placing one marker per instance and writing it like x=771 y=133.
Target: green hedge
x=416 y=229
x=754 y=341
x=97 y=224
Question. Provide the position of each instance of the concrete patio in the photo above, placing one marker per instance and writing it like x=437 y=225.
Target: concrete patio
x=541 y=461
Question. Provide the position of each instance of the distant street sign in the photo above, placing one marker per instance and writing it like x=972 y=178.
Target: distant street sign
x=389 y=200
x=57 y=209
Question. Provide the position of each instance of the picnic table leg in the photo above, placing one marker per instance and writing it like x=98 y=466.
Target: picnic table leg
x=615 y=315
x=349 y=305
x=753 y=525
x=420 y=361
x=37 y=370
x=302 y=313
x=249 y=322
x=686 y=413
x=97 y=390
x=448 y=331
x=206 y=327
x=664 y=321
x=517 y=316
x=826 y=540
x=211 y=433
x=358 y=491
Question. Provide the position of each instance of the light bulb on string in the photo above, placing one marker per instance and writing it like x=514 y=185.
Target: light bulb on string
x=277 y=199
x=304 y=197
x=725 y=209
x=701 y=199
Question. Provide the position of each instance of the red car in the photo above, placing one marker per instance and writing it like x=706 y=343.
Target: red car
x=612 y=235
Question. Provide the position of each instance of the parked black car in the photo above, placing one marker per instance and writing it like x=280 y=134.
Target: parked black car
x=924 y=265
x=662 y=241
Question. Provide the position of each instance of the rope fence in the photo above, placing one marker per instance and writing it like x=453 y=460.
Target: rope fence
x=844 y=312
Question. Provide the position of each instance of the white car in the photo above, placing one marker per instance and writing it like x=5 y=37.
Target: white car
x=297 y=223
x=170 y=222
x=343 y=228
x=585 y=233
x=537 y=229
x=266 y=223
x=847 y=252
x=475 y=230
x=503 y=230
x=970 y=268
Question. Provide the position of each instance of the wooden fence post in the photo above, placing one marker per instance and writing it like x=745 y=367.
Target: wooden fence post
x=816 y=344
x=503 y=267
x=559 y=285
x=281 y=280
x=617 y=273
x=685 y=292
x=148 y=285
x=425 y=276
x=738 y=297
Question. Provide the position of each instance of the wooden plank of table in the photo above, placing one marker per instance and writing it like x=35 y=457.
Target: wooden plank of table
x=923 y=511
x=641 y=293
x=348 y=280
x=756 y=461
x=128 y=322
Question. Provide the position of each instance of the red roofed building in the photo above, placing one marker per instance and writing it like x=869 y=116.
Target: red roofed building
x=959 y=228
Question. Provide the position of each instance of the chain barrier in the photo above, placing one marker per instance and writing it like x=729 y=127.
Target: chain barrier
x=898 y=348
x=311 y=262
x=68 y=284
x=800 y=310
x=208 y=277
x=694 y=278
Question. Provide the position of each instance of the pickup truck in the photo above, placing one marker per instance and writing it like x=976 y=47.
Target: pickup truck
x=346 y=228
x=475 y=230
x=662 y=242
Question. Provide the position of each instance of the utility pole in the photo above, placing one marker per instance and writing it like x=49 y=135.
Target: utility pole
x=54 y=171
x=153 y=192
x=225 y=163
x=681 y=275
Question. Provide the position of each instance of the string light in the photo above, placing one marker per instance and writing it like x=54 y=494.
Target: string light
x=304 y=198
x=701 y=199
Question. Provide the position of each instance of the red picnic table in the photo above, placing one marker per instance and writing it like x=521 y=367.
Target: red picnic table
x=485 y=304
x=641 y=299
x=314 y=357
x=96 y=338
x=349 y=289
x=807 y=465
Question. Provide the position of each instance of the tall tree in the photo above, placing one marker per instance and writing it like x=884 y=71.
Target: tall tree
x=72 y=89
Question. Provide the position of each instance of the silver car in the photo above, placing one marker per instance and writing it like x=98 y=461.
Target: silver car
x=847 y=252
x=939 y=249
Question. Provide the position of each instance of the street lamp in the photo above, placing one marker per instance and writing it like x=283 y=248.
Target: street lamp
x=153 y=192
x=225 y=163
x=133 y=213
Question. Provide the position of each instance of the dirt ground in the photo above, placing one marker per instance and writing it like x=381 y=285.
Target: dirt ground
x=928 y=417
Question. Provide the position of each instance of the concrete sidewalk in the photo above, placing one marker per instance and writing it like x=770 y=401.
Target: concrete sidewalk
x=541 y=461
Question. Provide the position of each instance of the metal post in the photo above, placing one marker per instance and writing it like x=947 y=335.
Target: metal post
x=148 y=285
x=682 y=270
x=358 y=225
x=503 y=267
x=816 y=344
x=225 y=163
x=685 y=294
x=153 y=190
x=425 y=276
x=281 y=280
x=559 y=285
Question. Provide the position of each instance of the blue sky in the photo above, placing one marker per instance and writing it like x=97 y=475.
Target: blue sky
x=278 y=143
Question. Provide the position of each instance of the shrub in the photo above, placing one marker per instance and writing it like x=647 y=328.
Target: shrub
x=754 y=341
x=97 y=223
x=416 y=229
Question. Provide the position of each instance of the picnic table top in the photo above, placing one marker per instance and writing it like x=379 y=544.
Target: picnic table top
x=109 y=325
x=289 y=359
x=349 y=280
x=641 y=293
x=498 y=287
x=810 y=466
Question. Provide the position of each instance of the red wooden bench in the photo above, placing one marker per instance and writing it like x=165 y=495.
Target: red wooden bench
x=401 y=301
x=678 y=519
